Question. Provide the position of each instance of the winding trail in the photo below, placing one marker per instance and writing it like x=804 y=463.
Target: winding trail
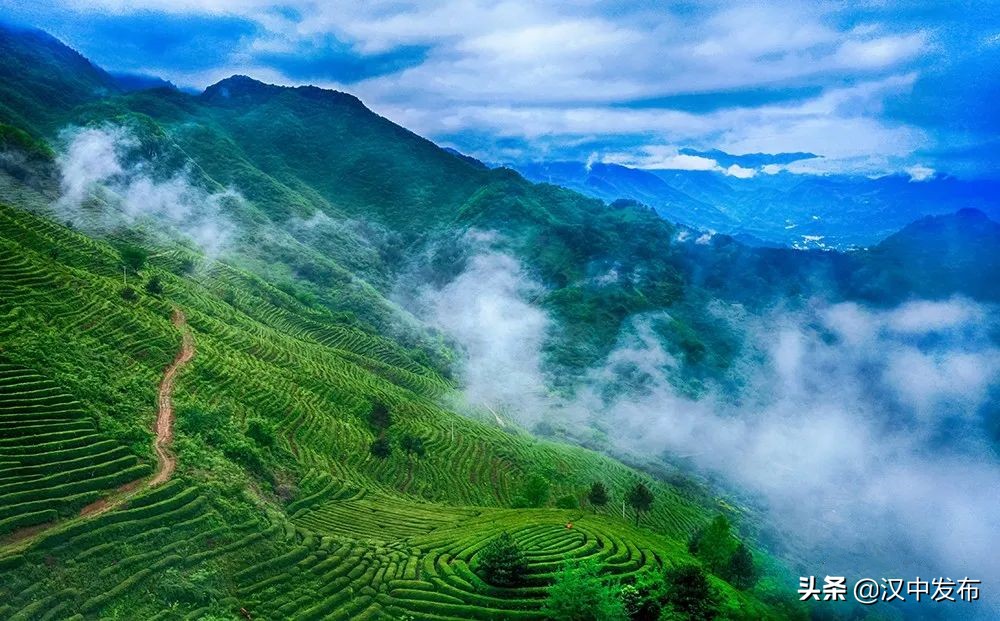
x=166 y=462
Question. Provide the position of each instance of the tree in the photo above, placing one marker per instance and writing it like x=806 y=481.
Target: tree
x=381 y=448
x=741 y=572
x=580 y=594
x=689 y=595
x=598 y=495
x=154 y=285
x=380 y=417
x=534 y=492
x=502 y=562
x=133 y=257
x=714 y=545
x=413 y=445
x=129 y=294
x=640 y=499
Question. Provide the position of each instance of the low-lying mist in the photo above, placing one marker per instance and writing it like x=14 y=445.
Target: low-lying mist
x=862 y=434
x=107 y=182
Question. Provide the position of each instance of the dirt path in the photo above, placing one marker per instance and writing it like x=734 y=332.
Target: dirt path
x=166 y=462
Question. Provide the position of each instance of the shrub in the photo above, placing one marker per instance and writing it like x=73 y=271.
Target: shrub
x=741 y=571
x=714 y=545
x=381 y=448
x=502 y=562
x=260 y=432
x=154 y=285
x=568 y=502
x=579 y=594
x=133 y=257
x=689 y=595
x=413 y=445
x=380 y=417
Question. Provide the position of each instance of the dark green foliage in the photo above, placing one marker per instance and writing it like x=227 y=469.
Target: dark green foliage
x=380 y=417
x=129 y=294
x=535 y=492
x=568 y=501
x=581 y=594
x=412 y=445
x=381 y=447
x=640 y=498
x=502 y=562
x=133 y=257
x=154 y=285
x=741 y=571
x=598 y=495
x=715 y=545
x=644 y=599
x=260 y=432
x=689 y=596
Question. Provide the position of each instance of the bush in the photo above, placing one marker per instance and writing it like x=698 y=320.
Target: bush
x=260 y=432
x=502 y=562
x=154 y=285
x=380 y=417
x=568 y=502
x=579 y=594
x=133 y=257
x=413 y=445
x=381 y=448
x=741 y=571
x=689 y=595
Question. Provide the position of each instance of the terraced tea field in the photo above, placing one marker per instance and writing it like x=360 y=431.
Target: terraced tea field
x=277 y=507
x=53 y=461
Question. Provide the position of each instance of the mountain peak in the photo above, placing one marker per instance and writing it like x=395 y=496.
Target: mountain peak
x=240 y=90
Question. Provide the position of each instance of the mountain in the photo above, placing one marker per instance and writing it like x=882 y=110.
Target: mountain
x=128 y=82
x=41 y=79
x=611 y=181
x=821 y=211
x=227 y=265
x=245 y=267
x=748 y=160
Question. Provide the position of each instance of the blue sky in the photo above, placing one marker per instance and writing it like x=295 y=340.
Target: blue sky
x=880 y=87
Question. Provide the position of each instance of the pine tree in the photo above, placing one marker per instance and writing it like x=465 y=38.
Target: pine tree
x=640 y=499
x=598 y=495
x=741 y=572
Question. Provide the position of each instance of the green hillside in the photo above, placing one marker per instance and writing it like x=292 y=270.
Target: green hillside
x=325 y=466
x=277 y=507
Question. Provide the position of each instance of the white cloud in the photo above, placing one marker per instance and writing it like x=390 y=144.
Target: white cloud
x=555 y=73
x=920 y=172
x=740 y=172
x=103 y=164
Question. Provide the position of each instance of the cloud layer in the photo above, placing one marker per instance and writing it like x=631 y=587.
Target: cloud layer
x=521 y=80
x=861 y=433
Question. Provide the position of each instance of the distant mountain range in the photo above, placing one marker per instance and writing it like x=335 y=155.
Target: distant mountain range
x=799 y=210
